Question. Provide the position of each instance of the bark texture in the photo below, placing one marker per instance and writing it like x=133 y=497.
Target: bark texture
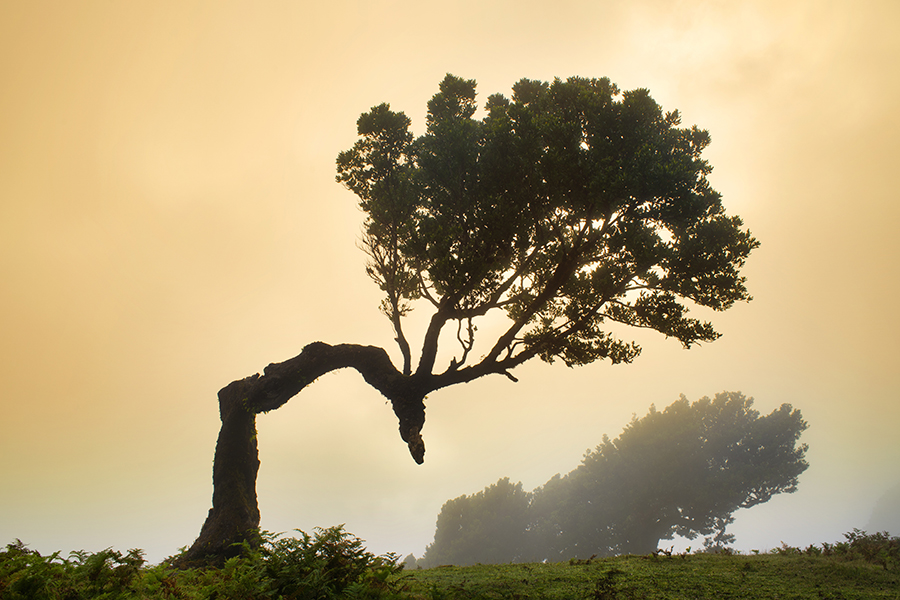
x=234 y=516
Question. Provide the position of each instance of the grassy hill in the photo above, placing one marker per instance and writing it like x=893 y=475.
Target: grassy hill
x=698 y=576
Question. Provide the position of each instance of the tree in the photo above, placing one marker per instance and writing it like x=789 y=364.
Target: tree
x=683 y=471
x=569 y=208
x=486 y=527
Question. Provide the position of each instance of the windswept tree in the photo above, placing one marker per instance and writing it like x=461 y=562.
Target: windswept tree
x=683 y=471
x=568 y=209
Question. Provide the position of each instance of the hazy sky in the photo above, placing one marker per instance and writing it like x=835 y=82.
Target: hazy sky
x=169 y=222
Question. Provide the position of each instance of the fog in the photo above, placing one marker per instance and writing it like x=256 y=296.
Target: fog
x=169 y=223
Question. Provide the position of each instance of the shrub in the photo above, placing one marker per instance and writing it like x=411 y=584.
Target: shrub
x=878 y=548
x=327 y=565
x=25 y=574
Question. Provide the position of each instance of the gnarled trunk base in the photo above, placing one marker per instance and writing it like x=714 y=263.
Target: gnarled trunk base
x=234 y=516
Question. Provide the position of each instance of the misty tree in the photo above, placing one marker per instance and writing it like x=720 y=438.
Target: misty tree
x=568 y=210
x=487 y=527
x=683 y=471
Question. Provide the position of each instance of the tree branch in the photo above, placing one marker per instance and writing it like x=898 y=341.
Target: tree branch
x=401 y=339
x=562 y=273
x=282 y=381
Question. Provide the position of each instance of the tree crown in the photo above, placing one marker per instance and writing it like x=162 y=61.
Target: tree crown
x=571 y=206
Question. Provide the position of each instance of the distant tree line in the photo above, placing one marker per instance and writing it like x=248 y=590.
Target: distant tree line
x=682 y=471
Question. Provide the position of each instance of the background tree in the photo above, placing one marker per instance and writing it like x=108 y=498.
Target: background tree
x=683 y=471
x=486 y=527
x=568 y=208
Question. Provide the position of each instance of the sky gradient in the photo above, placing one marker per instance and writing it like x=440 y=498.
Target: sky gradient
x=169 y=223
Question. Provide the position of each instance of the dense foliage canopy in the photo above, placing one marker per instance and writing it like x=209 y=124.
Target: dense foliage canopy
x=682 y=471
x=570 y=207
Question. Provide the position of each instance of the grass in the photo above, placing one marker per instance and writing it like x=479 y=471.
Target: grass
x=697 y=576
x=333 y=564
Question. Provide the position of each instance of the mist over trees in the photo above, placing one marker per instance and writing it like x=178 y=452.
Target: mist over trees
x=886 y=513
x=572 y=209
x=488 y=527
x=683 y=471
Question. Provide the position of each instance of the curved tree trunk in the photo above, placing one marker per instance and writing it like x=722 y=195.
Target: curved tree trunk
x=234 y=516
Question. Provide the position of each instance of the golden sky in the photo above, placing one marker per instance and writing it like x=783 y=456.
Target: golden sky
x=169 y=222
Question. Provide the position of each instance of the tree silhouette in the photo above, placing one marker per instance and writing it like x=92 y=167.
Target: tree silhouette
x=569 y=208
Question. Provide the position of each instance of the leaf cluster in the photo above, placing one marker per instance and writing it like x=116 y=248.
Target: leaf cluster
x=570 y=206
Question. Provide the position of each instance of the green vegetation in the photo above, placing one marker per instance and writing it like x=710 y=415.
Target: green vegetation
x=333 y=564
x=329 y=564
x=699 y=576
